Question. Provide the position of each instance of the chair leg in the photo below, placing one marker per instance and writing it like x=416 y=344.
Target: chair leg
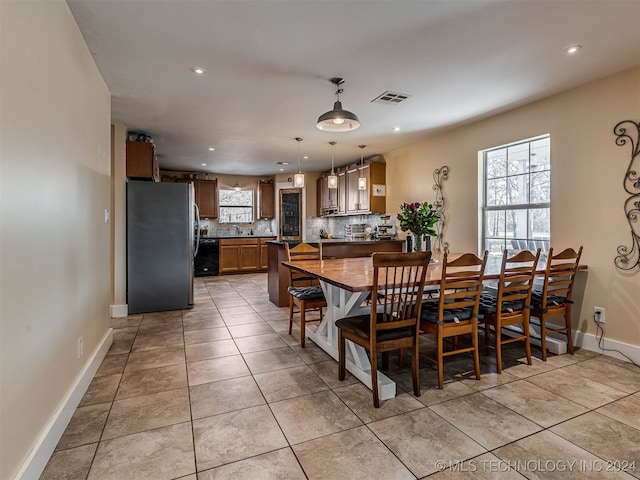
x=374 y=379
x=342 y=370
x=487 y=333
x=543 y=337
x=290 y=314
x=476 y=353
x=401 y=357
x=498 y=347
x=567 y=320
x=415 y=369
x=527 y=340
x=439 y=341
x=385 y=360
x=303 y=311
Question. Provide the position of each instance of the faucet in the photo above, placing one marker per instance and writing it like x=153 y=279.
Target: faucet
x=238 y=231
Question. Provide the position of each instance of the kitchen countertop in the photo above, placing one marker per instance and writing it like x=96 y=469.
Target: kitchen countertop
x=220 y=237
x=338 y=240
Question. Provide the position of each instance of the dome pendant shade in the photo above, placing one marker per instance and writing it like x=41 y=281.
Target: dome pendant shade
x=338 y=120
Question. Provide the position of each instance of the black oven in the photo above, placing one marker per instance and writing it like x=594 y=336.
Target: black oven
x=207 y=259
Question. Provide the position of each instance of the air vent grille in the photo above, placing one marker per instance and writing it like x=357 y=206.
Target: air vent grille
x=391 y=98
x=282 y=163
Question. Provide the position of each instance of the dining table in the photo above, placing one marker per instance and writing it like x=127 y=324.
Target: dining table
x=347 y=283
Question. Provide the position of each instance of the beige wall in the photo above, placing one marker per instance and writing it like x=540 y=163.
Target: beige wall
x=55 y=243
x=586 y=186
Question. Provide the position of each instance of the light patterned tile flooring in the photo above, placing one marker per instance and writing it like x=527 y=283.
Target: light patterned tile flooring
x=223 y=391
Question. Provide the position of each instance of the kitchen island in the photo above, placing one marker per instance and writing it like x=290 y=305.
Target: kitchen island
x=278 y=275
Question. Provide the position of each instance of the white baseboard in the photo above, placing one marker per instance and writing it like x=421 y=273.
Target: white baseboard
x=589 y=341
x=118 y=311
x=46 y=444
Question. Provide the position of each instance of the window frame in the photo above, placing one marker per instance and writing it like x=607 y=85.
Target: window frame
x=221 y=206
x=527 y=206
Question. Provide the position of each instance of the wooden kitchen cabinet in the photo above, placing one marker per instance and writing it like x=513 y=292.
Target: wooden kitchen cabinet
x=342 y=193
x=142 y=162
x=243 y=255
x=207 y=198
x=328 y=197
x=372 y=199
x=264 y=253
x=266 y=199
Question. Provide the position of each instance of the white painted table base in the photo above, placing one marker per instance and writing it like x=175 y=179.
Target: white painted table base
x=342 y=303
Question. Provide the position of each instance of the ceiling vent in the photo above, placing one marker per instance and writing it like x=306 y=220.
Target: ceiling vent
x=391 y=98
x=282 y=163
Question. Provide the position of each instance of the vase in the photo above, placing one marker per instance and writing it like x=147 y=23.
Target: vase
x=419 y=245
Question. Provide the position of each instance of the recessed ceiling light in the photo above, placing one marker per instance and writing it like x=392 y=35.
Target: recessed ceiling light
x=282 y=169
x=573 y=49
x=396 y=129
x=306 y=157
x=204 y=164
x=198 y=70
x=211 y=149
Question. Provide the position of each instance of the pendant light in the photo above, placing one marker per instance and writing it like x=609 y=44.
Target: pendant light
x=298 y=178
x=338 y=120
x=332 y=180
x=362 y=181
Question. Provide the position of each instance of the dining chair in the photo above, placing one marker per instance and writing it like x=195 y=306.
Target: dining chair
x=556 y=297
x=510 y=302
x=393 y=321
x=455 y=311
x=304 y=291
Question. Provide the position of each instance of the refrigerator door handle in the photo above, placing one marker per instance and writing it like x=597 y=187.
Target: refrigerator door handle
x=197 y=224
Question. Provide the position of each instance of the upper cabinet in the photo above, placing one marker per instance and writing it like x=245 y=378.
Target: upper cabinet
x=207 y=198
x=348 y=199
x=142 y=162
x=266 y=199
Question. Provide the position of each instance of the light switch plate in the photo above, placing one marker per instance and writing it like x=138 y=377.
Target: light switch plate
x=106 y=215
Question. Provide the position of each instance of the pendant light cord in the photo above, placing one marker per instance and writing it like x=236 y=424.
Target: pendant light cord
x=332 y=144
x=298 y=139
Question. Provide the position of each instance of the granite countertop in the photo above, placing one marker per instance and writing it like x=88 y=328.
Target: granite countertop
x=258 y=235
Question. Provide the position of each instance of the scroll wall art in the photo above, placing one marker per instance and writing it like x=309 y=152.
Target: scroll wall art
x=628 y=131
x=439 y=176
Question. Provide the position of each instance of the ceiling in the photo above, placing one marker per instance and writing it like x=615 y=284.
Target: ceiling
x=268 y=67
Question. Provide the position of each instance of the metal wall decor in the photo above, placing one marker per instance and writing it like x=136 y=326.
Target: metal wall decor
x=439 y=176
x=629 y=257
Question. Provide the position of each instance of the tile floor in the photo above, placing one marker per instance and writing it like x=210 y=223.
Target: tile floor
x=223 y=392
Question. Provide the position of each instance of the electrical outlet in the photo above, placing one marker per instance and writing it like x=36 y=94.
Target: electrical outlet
x=598 y=314
x=80 y=347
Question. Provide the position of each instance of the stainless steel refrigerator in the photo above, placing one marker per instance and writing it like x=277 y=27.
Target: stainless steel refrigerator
x=161 y=224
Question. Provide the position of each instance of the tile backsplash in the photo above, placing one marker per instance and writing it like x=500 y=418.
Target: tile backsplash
x=336 y=225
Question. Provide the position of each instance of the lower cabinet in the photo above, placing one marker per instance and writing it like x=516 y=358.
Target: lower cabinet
x=243 y=255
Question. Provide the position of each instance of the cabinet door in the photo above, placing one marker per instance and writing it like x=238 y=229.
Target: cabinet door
x=249 y=257
x=141 y=161
x=353 y=196
x=264 y=257
x=266 y=195
x=207 y=198
x=342 y=192
x=364 y=195
x=229 y=258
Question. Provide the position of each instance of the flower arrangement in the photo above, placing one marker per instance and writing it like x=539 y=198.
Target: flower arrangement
x=418 y=218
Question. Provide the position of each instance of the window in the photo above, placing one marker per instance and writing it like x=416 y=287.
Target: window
x=517 y=195
x=236 y=206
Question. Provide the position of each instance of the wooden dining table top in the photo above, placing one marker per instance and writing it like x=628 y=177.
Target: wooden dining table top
x=356 y=274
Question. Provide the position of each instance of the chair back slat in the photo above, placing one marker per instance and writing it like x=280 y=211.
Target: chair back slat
x=302 y=251
x=398 y=280
x=461 y=287
x=515 y=284
x=560 y=274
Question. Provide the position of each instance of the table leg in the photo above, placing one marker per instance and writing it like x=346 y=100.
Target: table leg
x=343 y=303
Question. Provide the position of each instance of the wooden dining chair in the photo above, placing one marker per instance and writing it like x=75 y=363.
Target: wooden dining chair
x=455 y=311
x=393 y=322
x=556 y=297
x=510 y=302
x=304 y=291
